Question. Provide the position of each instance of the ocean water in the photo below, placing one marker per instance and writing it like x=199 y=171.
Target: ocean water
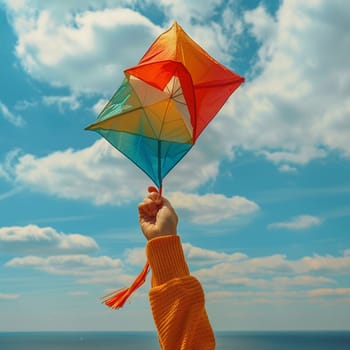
x=148 y=341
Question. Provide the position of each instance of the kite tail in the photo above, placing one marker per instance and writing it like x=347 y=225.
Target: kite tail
x=117 y=299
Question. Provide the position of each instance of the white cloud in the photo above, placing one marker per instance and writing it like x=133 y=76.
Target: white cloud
x=99 y=174
x=285 y=168
x=302 y=280
x=70 y=102
x=70 y=265
x=275 y=283
x=325 y=263
x=295 y=108
x=188 y=10
x=329 y=292
x=10 y=193
x=14 y=119
x=86 y=269
x=297 y=223
x=195 y=255
x=136 y=256
x=298 y=156
x=84 y=47
x=83 y=44
x=24 y=105
x=4 y=296
x=43 y=240
x=201 y=256
x=273 y=297
x=211 y=208
x=276 y=270
x=225 y=270
x=6 y=167
x=215 y=35
x=272 y=278
x=263 y=27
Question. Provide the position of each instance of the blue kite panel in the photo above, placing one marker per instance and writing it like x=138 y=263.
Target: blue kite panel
x=156 y=158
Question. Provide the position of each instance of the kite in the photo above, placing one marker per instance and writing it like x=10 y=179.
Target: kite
x=162 y=106
x=165 y=102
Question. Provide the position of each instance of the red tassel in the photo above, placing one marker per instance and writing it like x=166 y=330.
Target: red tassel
x=117 y=299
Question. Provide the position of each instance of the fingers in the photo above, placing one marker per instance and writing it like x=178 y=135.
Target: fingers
x=148 y=207
x=153 y=202
x=152 y=189
x=154 y=195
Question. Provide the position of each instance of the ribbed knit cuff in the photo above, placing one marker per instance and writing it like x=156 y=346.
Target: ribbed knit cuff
x=166 y=257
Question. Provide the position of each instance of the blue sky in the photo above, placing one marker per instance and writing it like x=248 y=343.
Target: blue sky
x=263 y=197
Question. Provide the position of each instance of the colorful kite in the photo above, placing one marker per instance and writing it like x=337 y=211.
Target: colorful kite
x=162 y=106
x=165 y=102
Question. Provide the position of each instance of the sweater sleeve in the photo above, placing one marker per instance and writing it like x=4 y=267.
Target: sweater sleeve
x=177 y=298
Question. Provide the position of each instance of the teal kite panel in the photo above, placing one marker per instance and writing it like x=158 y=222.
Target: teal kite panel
x=155 y=157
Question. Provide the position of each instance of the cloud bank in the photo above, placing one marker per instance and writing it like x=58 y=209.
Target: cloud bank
x=32 y=239
x=301 y=222
x=223 y=274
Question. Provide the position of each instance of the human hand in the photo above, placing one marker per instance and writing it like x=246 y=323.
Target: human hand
x=156 y=216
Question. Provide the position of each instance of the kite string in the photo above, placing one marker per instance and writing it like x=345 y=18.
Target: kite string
x=159 y=167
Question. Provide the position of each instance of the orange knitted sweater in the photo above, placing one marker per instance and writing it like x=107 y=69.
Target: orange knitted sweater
x=177 y=298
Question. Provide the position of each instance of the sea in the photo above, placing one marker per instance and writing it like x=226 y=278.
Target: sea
x=292 y=340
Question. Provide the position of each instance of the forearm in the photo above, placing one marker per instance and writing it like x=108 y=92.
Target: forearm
x=177 y=298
